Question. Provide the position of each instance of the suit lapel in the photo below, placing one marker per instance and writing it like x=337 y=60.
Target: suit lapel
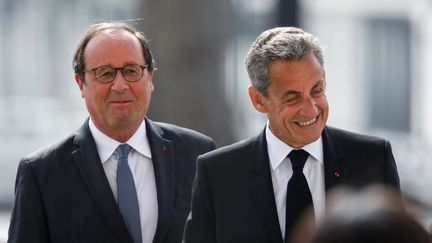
x=262 y=188
x=335 y=171
x=261 y=183
x=87 y=160
x=162 y=151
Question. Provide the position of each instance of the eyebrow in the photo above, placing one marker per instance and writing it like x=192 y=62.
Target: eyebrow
x=319 y=83
x=296 y=92
x=290 y=92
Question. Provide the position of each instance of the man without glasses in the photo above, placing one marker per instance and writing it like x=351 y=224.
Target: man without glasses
x=256 y=190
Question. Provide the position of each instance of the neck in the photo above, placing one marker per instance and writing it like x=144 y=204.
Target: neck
x=120 y=132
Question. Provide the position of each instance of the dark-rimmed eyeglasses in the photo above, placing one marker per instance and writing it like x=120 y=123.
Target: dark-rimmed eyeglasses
x=106 y=74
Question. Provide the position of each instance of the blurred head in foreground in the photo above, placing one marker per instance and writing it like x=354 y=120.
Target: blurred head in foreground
x=372 y=215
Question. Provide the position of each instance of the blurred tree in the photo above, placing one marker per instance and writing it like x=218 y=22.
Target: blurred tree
x=188 y=39
x=288 y=13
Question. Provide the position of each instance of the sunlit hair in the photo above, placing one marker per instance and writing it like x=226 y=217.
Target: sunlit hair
x=280 y=43
x=78 y=57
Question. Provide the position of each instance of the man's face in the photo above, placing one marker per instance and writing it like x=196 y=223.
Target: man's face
x=296 y=104
x=120 y=104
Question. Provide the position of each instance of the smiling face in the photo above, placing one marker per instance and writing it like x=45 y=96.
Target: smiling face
x=119 y=107
x=296 y=104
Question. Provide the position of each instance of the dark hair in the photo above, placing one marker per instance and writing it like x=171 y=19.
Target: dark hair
x=377 y=227
x=374 y=214
x=78 y=57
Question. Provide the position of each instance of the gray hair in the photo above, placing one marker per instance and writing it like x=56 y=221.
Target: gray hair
x=78 y=57
x=280 y=43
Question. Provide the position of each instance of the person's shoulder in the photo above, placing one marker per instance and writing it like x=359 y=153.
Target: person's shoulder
x=347 y=136
x=355 y=143
x=51 y=152
x=235 y=157
x=171 y=131
x=238 y=150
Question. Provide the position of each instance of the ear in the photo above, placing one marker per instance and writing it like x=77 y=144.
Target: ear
x=323 y=74
x=151 y=85
x=80 y=84
x=151 y=74
x=258 y=100
x=324 y=77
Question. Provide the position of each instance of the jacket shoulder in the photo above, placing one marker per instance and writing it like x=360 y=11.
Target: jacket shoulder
x=51 y=152
x=354 y=143
x=351 y=136
x=173 y=131
x=238 y=151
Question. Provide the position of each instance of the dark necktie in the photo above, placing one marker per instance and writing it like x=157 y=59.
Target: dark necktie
x=299 y=196
x=127 y=196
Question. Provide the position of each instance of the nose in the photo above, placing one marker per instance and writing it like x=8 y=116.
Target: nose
x=119 y=84
x=309 y=108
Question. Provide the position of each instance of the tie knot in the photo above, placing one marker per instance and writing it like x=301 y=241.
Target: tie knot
x=123 y=150
x=298 y=158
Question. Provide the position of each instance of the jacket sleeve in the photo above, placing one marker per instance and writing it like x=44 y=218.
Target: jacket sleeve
x=28 y=222
x=200 y=225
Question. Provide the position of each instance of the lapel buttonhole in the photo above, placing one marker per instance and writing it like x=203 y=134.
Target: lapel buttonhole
x=164 y=148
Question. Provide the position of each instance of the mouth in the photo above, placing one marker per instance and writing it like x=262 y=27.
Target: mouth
x=120 y=101
x=306 y=123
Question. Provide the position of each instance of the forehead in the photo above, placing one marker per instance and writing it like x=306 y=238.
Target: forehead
x=113 y=45
x=298 y=74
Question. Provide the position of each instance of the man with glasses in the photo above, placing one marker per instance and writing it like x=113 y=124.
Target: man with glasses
x=121 y=177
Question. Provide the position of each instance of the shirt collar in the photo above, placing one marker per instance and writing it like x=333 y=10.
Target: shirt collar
x=278 y=150
x=106 y=145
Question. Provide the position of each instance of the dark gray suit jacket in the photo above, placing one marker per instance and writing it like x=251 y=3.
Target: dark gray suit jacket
x=62 y=194
x=233 y=199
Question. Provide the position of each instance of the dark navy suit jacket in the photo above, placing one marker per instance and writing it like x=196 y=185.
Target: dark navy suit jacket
x=233 y=199
x=62 y=194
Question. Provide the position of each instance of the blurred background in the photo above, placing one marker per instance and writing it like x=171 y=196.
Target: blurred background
x=377 y=55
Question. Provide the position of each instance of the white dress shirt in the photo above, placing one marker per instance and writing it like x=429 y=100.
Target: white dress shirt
x=140 y=162
x=281 y=172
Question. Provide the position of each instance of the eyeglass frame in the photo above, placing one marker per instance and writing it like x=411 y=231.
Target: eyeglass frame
x=121 y=69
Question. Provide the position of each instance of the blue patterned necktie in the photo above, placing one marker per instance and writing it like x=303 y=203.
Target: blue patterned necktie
x=299 y=196
x=127 y=196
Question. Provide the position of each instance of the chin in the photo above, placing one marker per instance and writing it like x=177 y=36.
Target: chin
x=310 y=138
